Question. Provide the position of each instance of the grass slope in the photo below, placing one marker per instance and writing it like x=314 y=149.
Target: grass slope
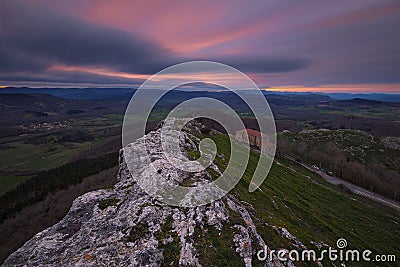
x=313 y=210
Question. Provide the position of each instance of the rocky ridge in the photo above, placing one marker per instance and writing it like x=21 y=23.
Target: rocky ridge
x=124 y=226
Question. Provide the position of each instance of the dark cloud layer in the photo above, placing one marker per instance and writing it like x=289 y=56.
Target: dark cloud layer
x=266 y=65
x=37 y=39
x=281 y=43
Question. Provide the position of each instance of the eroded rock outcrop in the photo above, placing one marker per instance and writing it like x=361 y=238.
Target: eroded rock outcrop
x=124 y=226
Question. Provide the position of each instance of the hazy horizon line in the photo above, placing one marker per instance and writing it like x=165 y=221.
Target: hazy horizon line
x=266 y=89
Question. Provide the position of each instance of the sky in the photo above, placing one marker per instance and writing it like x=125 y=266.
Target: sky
x=327 y=46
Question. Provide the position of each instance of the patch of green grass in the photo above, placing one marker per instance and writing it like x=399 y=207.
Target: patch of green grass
x=314 y=210
x=10 y=182
x=19 y=156
x=28 y=157
x=137 y=232
x=105 y=203
x=216 y=248
x=171 y=250
x=214 y=174
x=165 y=229
x=109 y=187
x=193 y=154
x=190 y=180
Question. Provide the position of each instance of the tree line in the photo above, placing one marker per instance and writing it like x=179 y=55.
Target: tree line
x=53 y=180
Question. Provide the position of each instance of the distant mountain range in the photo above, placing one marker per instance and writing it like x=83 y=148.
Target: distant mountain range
x=126 y=93
x=75 y=93
x=371 y=96
x=387 y=97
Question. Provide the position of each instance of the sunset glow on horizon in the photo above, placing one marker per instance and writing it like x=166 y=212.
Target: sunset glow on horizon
x=341 y=88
